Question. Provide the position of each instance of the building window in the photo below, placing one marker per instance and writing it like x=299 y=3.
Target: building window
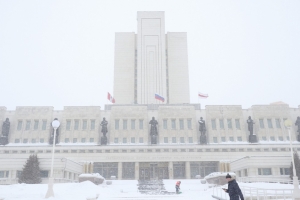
x=132 y=140
x=173 y=139
x=181 y=139
x=173 y=124
x=44 y=124
x=280 y=138
x=17 y=140
x=264 y=171
x=264 y=138
x=231 y=139
x=93 y=124
x=44 y=174
x=239 y=139
x=245 y=172
x=67 y=140
x=166 y=140
x=124 y=140
x=165 y=124
x=284 y=171
x=189 y=123
x=261 y=123
x=181 y=125
x=213 y=124
x=82 y=140
x=190 y=139
x=229 y=123
x=19 y=125
x=277 y=121
x=141 y=140
x=223 y=139
x=76 y=125
x=116 y=140
x=27 y=125
x=133 y=124
x=272 y=138
x=124 y=124
x=4 y=174
x=215 y=139
x=36 y=125
x=141 y=124
x=25 y=140
x=74 y=140
x=117 y=124
x=68 y=126
x=32 y=140
x=91 y=140
x=42 y=140
x=221 y=123
x=270 y=125
x=288 y=138
x=237 y=124
x=19 y=173
x=84 y=125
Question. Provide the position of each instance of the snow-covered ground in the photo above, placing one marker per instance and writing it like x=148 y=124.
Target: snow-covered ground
x=120 y=189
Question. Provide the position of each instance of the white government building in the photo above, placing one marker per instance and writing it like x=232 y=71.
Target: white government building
x=146 y=63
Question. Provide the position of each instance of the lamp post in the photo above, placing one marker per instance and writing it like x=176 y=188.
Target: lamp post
x=50 y=193
x=296 y=193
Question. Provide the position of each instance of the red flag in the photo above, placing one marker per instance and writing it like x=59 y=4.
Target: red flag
x=110 y=98
x=203 y=96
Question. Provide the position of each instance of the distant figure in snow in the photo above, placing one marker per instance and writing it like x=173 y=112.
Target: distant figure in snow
x=177 y=186
x=233 y=190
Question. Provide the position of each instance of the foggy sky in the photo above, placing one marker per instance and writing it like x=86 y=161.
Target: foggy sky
x=61 y=53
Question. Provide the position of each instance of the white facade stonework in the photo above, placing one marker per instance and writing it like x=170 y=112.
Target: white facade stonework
x=151 y=62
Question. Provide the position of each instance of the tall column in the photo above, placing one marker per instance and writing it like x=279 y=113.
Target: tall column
x=171 y=170
x=137 y=171
x=120 y=168
x=187 y=170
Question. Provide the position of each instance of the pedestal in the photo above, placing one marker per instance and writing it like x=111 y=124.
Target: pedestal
x=103 y=140
x=252 y=139
x=153 y=139
x=203 y=139
x=3 y=140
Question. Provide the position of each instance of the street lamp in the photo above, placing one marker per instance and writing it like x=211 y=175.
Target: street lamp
x=50 y=193
x=296 y=193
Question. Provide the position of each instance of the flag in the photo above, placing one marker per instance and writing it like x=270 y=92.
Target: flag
x=202 y=96
x=158 y=97
x=110 y=98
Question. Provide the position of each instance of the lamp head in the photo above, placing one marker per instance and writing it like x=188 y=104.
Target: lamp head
x=55 y=123
x=288 y=123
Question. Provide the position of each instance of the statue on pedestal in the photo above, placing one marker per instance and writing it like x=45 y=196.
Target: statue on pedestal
x=252 y=137
x=104 y=131
x=153 y=130
x=5 y=132
x=202 y=129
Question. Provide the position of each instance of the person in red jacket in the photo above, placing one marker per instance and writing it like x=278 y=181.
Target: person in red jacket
x=177 y=186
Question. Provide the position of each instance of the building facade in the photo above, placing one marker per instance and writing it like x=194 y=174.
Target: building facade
x=151 y=62
x=129 y=153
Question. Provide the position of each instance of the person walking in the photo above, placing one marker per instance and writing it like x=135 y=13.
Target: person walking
x=177 y=186
x=233 y=190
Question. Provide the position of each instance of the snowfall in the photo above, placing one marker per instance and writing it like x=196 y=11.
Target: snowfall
x=119 y=189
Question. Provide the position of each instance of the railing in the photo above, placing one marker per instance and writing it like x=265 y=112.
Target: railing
x=263 y=179
x=251 y=193
x=8 y=181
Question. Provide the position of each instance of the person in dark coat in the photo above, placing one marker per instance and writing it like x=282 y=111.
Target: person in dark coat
x=233 y=190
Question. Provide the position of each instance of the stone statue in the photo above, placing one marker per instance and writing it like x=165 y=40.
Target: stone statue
x=5 y=128
x=153 y=130
x=104 y=126
x=202 y=127
x=250 y=125
x=298 y=124
x=5 y=132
